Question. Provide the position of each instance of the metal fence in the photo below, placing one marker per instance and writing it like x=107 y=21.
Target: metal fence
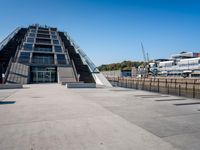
x=173 y=86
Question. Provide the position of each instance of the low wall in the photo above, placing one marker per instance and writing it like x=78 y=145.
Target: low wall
x=174 y=86
x=80 y=85
x=11 y=86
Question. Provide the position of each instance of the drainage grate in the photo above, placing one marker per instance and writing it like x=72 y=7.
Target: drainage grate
x=146 y=95
x=121 y=90
x=178 y=99
x=154 y=96
x=36 y=97
x=182 y=104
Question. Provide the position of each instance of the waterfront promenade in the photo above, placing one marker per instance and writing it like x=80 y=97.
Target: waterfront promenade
x=52 y=117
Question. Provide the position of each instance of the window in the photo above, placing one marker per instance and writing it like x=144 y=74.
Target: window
x=30 y=40
x=33 y=31
x=61 y=59
x=32 y=34
x=28 y=47
x=47 y=41
x=53 y=29
x=43 y=28
x=53 y=33
x=43 y=36
x=58 y=48
x=43 y=59
x=54 y=36
x=24 y=57
x=55 y=42
x=43 y=32
x=43 y=48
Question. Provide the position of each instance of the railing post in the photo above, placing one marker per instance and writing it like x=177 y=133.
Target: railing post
x=175 y=87
x=167 y=88
x=126 y=82
x=194 y=89
x=150 y=85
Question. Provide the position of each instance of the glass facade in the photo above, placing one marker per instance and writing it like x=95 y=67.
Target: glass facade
x=42 y=50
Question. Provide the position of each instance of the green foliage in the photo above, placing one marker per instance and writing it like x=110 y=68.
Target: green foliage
x=125 y=65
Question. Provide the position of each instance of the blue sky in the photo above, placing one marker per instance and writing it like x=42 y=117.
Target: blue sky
x=112 y=30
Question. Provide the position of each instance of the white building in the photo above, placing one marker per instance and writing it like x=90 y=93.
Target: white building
x=183 y=64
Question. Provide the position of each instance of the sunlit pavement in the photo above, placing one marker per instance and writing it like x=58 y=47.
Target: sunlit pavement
x=52 y=117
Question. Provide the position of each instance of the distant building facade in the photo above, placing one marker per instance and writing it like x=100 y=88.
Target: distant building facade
x=182 y=64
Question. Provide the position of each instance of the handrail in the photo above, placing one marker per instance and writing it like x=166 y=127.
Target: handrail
x=75 y=72
x=8 y=69
x=16 y=53
x=84 y=57
x=10 y=36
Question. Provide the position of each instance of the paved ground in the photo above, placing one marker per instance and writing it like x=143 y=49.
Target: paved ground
x=51 y=117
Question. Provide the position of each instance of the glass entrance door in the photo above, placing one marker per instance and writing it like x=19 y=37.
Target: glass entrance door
x=43 y=76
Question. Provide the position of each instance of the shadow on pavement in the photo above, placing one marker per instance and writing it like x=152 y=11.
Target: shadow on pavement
x=7 y=102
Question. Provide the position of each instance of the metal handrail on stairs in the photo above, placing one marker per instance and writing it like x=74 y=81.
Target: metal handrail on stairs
x=10 y=36
x=84 y=57
x=8 y=69
x=75 y=72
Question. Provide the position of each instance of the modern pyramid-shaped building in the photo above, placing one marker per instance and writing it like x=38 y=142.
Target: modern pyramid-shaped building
x=40 y=54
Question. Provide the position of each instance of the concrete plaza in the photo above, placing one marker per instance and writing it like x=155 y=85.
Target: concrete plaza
x=52 y=117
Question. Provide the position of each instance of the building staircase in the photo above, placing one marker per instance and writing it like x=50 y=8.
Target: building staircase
x=66 y=75
x=81 y=68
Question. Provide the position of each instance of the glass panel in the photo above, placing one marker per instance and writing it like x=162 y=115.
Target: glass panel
x=37 y=59
x=43 y=35
x=58 y=48
x=48 y=41
x=31 y=40
x=33 y=31
x=43 y=32
x=55 y=42
x=43 y=74
x=53 y=33
x=32 y=34
x=54 y=36
x=61 y=59
x=40 y=76
x=24 y=57
x=43 y=48
x=43 y=28
x=28 y=47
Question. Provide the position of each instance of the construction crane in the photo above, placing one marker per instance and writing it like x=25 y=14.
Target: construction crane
x=145 y=61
